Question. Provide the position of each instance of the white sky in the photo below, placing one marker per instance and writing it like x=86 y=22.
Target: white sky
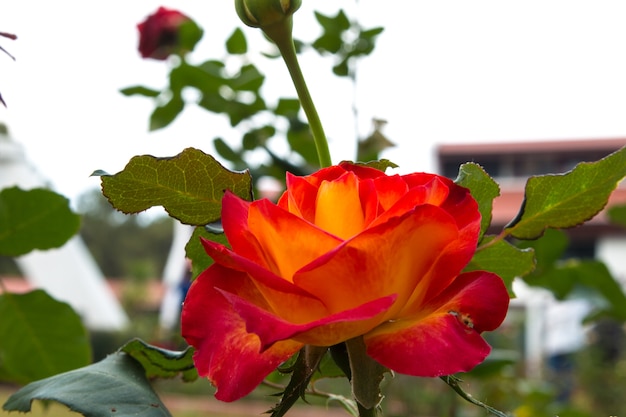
x=443 y=72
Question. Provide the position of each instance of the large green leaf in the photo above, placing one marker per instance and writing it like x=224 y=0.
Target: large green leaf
x=503 y=259
x=483 y=188
x=567 y=200
x=39 y=337
x=189 y=186
x=115 y=386
x=34 y=219
x=162 y=363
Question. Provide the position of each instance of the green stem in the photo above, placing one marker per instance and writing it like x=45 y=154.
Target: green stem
x=280 y=33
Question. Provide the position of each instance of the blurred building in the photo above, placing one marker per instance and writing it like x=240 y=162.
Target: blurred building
x=510 y=164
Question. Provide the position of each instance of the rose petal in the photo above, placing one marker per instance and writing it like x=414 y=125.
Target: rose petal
x=434 y=346
x=288 y=241
x=225 y=352
x=235 y=223
x=479 y=297
x=338 y=207
x=415 y=255
x=282 y=296
x=444 y=337
x=326 y=331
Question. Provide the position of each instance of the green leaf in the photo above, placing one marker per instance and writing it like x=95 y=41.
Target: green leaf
x=257 y=137
x=115 y=386
x=567 y=200
x=189 y=34
x=39 y=337
x=225 y=151
x=482 y=187
x=207 y=78
x=367 y=374
x=162 y=363
x=163 y=115
x=333 y=27
x=380 y=165
x=236 y=44
x=139 y=90
x=34 y=219
x=248 y=79
x=189 y=186
x=503 y=259
x=329 y=366
x=617 y=215
x=301 y=140
x=549 y=249
x=591 y=274
x=195 y=251
x=287 y=107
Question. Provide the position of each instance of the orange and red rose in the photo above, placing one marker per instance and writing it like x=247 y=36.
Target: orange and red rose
x=160 y=35
x=346 y=252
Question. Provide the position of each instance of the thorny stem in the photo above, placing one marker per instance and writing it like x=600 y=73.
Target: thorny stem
x=281 y=35
x=363 y=412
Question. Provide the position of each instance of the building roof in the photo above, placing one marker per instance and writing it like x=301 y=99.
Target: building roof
x=532 y=146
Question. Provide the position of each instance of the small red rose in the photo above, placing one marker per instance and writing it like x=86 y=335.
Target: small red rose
x=160 y=34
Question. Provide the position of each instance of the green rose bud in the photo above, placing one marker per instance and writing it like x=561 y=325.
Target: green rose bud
x=266 y=13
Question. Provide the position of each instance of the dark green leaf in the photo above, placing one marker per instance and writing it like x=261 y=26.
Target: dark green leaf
x=503 y=259
x=342 y=69
x=333 y=27
x=225 y=151
x=236 y=44
x=206 y=81
x=288 y=107
x=39 y=337
x=195 y=251
x=380 y=165
x=549 y=249
x=301 y=141
x=34 y=219
x=139 y=90
x=189 y=186
x=238 y=110
x=189 y=34
x=162 y=363
x=483 y=188
x=163 y=115
x=567 y=200
x=248 y=79
x=593 y=275
x=115 y=386
x=257 y=137
x=617 y=215
x=329 y=366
